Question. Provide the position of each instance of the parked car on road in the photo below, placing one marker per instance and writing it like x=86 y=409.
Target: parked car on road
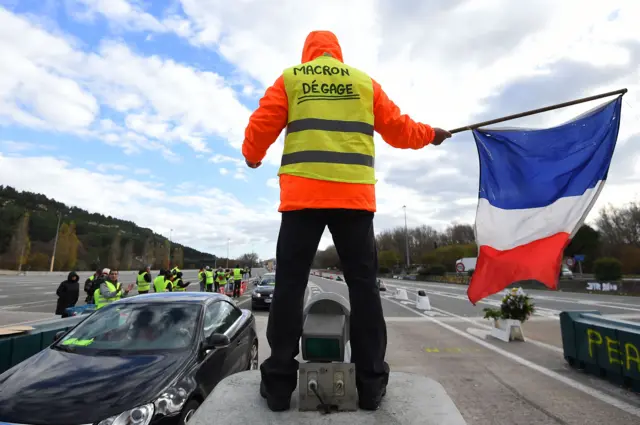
x=146 y=360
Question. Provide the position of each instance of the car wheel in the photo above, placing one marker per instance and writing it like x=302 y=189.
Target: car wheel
x=253 y=356
x=188 y=411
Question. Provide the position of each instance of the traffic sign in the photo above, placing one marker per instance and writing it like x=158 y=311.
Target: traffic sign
x=459 y=267
x=570 y=261
x=579 y=258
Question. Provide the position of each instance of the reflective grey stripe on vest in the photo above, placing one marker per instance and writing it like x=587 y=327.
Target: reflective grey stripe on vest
x=330 y=125
x=348 y=158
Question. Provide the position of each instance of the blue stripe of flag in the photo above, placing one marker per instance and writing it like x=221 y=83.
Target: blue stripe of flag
x=533 y=168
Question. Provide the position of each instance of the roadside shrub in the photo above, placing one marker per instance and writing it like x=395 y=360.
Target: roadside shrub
x=470 y=272
x=608 y=269
x=436 y=270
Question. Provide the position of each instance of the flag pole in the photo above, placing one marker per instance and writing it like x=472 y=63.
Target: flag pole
x=537 y=111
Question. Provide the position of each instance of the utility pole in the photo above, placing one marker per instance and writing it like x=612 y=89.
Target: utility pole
x=228 y=240
x=55 y=243
x=406 y=237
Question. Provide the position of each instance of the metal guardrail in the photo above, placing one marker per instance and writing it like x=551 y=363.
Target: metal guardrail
x=602 y=347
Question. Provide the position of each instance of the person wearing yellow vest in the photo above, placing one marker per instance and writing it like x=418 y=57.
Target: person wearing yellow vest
x=175 y=270
x=221 y=279
x=202 y=279
x=144 y=280
x=110 y=290
x=237 y=280
x=209 y=279
x=178 y=284
x=330 y=111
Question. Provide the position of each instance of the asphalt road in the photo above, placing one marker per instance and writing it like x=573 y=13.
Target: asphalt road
x=490 y=381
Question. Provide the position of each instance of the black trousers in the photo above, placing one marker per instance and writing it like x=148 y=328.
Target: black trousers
x=354 y=239
x=216 y=285
x=236 y=288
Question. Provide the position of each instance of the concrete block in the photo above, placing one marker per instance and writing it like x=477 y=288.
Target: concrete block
x=411 y=400
x=422 y=302
x=401 y=294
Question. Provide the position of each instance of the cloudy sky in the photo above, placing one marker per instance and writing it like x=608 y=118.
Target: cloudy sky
x=137 y=108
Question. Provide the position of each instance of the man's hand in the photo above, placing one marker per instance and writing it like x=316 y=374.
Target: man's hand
x=440 y=136
x=253 y=164
x=130 y=287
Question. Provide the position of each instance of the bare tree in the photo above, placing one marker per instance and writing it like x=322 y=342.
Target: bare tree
x=114 y=252
x=127 y=256
x=20 y=245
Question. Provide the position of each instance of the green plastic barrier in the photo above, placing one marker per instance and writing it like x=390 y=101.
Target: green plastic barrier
x=603 y=347
x=17 y=348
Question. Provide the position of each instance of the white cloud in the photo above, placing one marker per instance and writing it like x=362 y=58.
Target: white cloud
x=224 y=171
x=273 y=183
x=200 y=217
x=47 y=82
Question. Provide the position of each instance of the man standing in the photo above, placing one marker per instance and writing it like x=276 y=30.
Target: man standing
x=208 y=279
x=202 y=278
x=330 y=111
x=144 y=280
x=110 y=290
x=237 y=281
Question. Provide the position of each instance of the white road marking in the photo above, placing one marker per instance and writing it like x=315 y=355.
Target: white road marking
x=605 y=398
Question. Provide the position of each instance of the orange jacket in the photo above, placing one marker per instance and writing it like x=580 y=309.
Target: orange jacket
x=271 y=117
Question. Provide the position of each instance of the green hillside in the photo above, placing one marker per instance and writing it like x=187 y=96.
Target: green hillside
x=28 y=223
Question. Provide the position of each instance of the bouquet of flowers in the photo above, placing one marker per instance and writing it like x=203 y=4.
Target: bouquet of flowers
x=516 y=305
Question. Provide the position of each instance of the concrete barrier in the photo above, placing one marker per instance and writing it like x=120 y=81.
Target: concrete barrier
x=411 y=400
x=401 y=294
x=602 y=347
x=422 y=301
x=19 y=347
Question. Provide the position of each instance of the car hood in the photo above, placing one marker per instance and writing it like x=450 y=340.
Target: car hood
x=264 y=289
x=60 y=388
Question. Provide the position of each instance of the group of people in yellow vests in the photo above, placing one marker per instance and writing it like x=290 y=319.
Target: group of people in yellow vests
x=229 y=279
x=103 y=287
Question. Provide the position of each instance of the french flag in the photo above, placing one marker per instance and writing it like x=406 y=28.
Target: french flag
x=536 y=189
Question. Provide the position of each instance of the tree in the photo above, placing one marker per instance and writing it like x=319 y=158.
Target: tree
x=159 y=254
x=127 y=255
x=585 y=242
x=114 y=252
x=72 y=243
x=20 y=245
x=165 y=254
x=39 y=261
x=147 y=251
x=178 y=257
x=249 y=259
x=388 y=259
x=61 y=248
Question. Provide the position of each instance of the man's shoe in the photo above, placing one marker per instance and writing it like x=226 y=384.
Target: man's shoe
x=275 y=404
x=372 y=403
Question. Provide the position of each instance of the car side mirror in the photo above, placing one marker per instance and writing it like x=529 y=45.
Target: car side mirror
x=58 y=335
x=216 y=341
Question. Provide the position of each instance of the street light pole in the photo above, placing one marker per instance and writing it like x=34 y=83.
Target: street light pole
x=55 y=243
x=406 y=237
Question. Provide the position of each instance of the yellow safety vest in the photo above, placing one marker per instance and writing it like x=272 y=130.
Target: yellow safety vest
x=143 y=285
x=330 y=128
x=237 y=274
x=222 y=277
x=101 y=301
x=159 y=284
x=176 y=287
x=209 y=277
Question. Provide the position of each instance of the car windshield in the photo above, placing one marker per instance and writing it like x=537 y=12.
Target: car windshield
x=132 y=327
x=268 y=281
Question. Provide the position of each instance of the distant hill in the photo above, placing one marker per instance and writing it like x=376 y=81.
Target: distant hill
x=28 y=223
